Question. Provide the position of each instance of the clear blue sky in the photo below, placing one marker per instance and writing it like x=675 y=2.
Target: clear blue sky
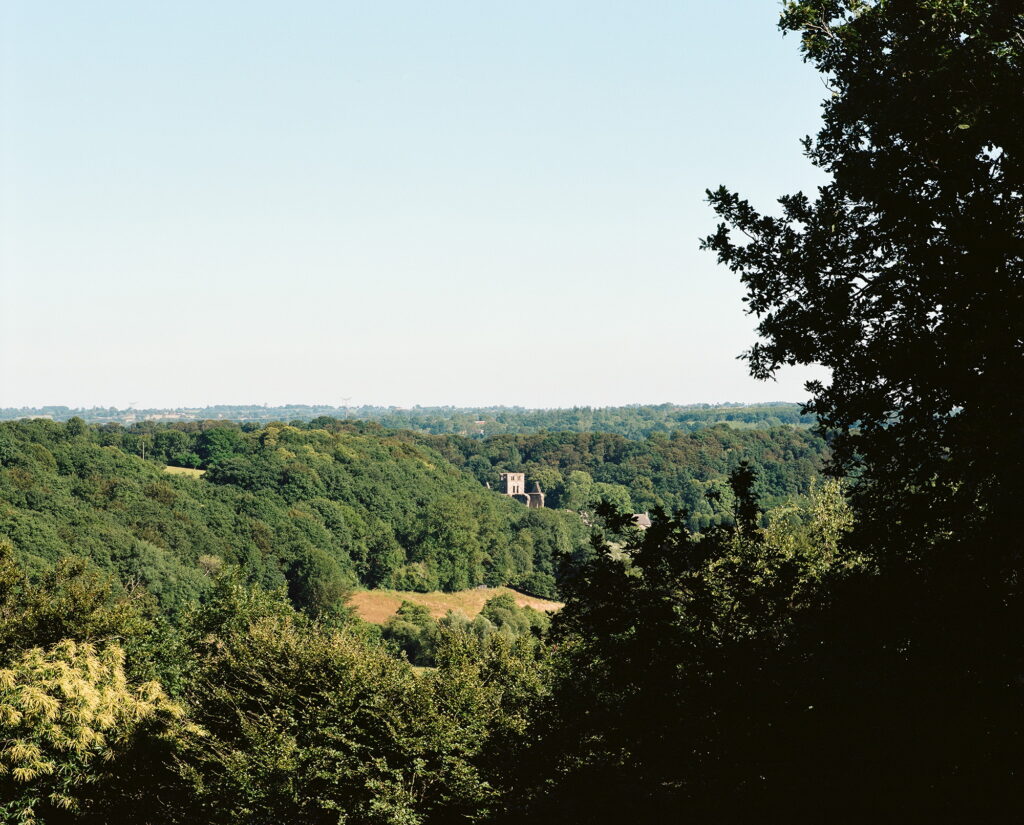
x=393 y=202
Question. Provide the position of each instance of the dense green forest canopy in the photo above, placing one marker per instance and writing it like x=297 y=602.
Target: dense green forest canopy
x=681 y=471
x=241 y=709
x=319 y=512
x=244 y=710
x=634 y=421
x=340 y=504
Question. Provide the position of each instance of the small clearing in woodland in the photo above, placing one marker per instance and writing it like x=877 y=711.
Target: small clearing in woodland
x=184 y=471
x=378 y=606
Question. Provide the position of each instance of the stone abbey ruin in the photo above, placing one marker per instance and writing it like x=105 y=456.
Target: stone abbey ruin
x=514 y=486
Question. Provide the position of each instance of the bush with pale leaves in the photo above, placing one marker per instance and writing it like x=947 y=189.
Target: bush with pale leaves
x=64 y=713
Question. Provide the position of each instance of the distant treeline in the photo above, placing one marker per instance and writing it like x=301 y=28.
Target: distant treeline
x=634 y=421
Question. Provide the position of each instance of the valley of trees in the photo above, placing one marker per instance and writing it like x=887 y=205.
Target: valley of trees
x=340 y=504
x=777 y=646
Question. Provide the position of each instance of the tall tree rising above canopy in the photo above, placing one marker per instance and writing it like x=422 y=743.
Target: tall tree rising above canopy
x=905 y=277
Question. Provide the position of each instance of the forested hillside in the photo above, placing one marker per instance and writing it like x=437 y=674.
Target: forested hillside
x=684 y=470
x=240 y=709
x=325 y=511
x=321 y=512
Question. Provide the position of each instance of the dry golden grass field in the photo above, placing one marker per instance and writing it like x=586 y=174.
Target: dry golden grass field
x=184 y=471
x=378 y=605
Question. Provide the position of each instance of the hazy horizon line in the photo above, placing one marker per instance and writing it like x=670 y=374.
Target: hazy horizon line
x=392 y=406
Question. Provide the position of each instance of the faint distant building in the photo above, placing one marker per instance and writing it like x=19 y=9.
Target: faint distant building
x=513 y=485
x=642 y=520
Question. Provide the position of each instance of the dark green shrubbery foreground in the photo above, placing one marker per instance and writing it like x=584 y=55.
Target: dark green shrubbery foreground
x=256 y=713
x=245 y=710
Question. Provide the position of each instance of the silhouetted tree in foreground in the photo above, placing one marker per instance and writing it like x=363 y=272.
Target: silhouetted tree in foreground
x=676 y=686
x=905 y=276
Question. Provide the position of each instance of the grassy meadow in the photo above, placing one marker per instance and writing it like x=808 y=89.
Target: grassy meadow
x=378 y=606
x=184 y=471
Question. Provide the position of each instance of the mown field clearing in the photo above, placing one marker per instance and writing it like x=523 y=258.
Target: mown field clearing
x=184 y=471
x=378 y=606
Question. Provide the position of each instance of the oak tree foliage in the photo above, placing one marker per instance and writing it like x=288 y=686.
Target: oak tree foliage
x=904 y=275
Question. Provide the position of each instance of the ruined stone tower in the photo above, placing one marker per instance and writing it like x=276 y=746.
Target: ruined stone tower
x=536 y=496
x=514 y=486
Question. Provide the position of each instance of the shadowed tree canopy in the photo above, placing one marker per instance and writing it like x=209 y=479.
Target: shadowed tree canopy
x=905 y=276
